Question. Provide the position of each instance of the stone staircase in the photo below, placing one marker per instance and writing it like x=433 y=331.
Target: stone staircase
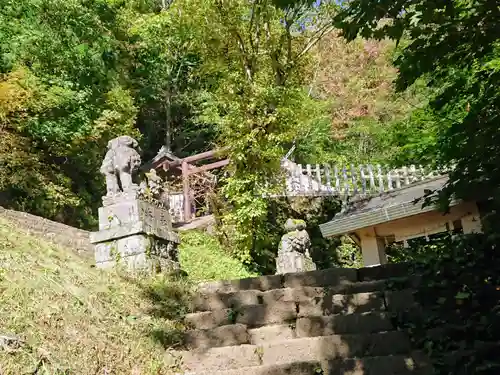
x=334 y=321
x=57 y=233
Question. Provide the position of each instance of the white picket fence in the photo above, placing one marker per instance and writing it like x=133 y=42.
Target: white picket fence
x=351 y=180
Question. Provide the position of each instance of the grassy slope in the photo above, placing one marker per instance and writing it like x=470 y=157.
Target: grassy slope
x=77 y=318
x=203 y=259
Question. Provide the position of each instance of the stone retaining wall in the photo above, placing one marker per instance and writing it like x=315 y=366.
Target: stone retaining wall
x=57 y=233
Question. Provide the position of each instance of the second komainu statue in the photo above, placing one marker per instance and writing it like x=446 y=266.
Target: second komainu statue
x=294 y=250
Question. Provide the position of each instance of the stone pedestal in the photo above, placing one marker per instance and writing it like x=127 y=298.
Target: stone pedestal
x=294 y=261
x=137 y=235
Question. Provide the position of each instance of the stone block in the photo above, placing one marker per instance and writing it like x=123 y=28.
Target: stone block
x=133 y=229
x=121 y=248
x=321 y=278
x=278 y=332
x=400 y=300
x=234 y=334
x=259 y=315
x=293 y=261
x=342 y=324
x=137 y=253
x=133 y=211
x=296 y=368
x=291 y=295
x=390 y=365
x=329 y=303
x=217 y=301
x=220 y=359
x=137 y=235
x=262 y=283
x=209 y=319
x=335 y=347
x=385 y=271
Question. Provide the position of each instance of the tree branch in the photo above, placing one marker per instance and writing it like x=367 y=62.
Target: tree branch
x=274 y=55
x=315 y=39
x=245 y=60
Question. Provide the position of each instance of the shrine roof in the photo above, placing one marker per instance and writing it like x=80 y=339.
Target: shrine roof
x=388 y=206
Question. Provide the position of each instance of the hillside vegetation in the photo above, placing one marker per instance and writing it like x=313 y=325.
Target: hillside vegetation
x=176 y=74
x=197 y=75
x=356 y=79
x=203 y=258
x=71 y=318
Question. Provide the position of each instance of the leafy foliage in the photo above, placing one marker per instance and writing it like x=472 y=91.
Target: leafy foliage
x=459 y=320
x=258 y=103
x=453 y=47
x=66 y=88
x=190 y=75
x=69 y=102
x=355 y=82
x=203 y=258
x=169 y=83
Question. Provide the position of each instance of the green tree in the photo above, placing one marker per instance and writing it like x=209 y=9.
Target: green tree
x=74 y=74
x=453 y=47
x=355 y=80
x=260 y=55
x=67 y=63
x=167 y=83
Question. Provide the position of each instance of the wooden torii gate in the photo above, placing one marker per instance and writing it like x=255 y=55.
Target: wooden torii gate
x=186 y=166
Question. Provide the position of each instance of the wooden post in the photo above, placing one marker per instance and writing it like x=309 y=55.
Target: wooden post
x=346 y=180
x=406 y=176
x=300 y=176
x=318 y=177
x=354 y=180
x=413 y=174
x=389 y=179
x=363 y=179
x=337 y=179
x=398 y=178
x=372 y=178
x=185 y=191
x=309 y=179
x=328 y=178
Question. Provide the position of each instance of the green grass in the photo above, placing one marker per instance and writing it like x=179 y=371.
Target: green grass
x=203 y=259
x=76 y=319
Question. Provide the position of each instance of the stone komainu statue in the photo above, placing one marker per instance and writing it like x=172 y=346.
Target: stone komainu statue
x=119 y=165
x=294 y=250
x=296 y=239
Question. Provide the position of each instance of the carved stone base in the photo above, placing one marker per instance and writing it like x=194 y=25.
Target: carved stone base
x=138 y=253
x=132 y=211
x=121 y=197
x=136 y=235
x=293 y=261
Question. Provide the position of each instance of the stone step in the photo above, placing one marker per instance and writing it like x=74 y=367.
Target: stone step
x=239 y=334
x=206 y=301
x=329 y=298
x=331 y=277
x=382 y=365
x=250 y=315
x=286 y=305
x=324 y=348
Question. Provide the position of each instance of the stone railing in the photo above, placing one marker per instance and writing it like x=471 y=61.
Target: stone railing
x=57 y=233
x=325 y=179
